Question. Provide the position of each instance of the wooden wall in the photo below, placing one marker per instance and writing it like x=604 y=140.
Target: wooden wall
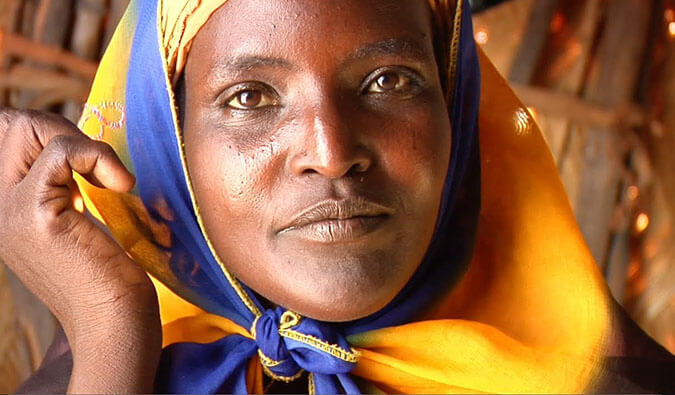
x=600 y=77
x=50 y=50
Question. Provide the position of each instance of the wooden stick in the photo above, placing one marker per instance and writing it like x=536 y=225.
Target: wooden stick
x=85 y=41
x=563 y=105
x=9 y=16
x=612 y=81
x=33 y=79
x=116 y=11
x=17 y=45
x=534 y=40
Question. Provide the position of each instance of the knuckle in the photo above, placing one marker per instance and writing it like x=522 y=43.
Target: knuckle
x=47 y=122
x=21 y=121
x=38 y=125
x=25 y=120
x=60 y=144
x=103 y=148
x=28 y=117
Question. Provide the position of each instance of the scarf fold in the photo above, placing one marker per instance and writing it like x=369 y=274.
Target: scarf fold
x=483 y=322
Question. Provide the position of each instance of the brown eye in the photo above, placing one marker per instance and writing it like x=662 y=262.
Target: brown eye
x=388 y=82
x=249 y=100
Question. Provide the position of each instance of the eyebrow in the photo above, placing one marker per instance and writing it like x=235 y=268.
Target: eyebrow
x=393 y=47
x=250 y=62
x=389 y=47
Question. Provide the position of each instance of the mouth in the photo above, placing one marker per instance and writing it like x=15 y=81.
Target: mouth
x=335 y=221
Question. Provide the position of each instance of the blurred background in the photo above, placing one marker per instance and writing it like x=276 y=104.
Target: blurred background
x=597 y=75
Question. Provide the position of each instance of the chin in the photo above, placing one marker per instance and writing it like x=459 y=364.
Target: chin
x=340 y=289
x=345 y=310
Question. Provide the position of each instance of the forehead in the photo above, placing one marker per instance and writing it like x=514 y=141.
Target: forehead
x=292 y=29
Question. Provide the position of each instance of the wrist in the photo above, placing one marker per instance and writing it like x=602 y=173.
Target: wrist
x=120 y=293
x=117 y=348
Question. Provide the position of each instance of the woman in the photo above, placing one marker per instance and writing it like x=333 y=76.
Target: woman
x=311 y=181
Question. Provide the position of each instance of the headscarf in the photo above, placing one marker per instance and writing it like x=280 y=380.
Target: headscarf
x=487 y=322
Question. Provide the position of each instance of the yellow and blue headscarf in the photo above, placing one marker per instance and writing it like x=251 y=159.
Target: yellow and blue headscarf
x=525 y=311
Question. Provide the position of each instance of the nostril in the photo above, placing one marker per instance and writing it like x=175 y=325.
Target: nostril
x=309 y=170
x=361 y=167
x=358 y=168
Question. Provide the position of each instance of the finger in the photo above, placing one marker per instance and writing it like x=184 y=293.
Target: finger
x=76 y=196
x=62 y=126
x=25 y=133
x=95 y=160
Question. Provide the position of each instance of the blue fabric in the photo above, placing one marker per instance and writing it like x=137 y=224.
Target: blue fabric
x=221 y=366
x=296 y=355
x=153 y=146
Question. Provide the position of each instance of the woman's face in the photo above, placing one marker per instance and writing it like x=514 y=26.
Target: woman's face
x=317 y=140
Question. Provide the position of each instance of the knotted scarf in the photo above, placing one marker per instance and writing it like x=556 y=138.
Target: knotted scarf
x=526 y=310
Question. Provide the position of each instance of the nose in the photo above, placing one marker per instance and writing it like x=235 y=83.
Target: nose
x=329 y=147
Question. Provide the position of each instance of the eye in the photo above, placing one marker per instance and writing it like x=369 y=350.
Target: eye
x=250 y=99
x=390 y=81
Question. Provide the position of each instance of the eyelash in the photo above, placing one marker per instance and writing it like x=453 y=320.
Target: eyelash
x=410 y=80
x=413 y=81
x=267 y=95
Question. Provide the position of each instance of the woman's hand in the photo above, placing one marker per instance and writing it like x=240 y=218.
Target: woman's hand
x=104 y=301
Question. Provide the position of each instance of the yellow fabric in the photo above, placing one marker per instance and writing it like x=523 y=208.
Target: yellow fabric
x=456 y=356
x=180 y=22
x=532 y=275
x=531 y=313
x=181 y=319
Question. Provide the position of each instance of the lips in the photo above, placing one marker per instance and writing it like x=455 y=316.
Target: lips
x=333 y=221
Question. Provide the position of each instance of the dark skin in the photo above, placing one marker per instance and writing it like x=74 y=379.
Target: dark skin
x=361 y=130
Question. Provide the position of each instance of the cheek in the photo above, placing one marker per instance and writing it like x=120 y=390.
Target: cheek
x=233 y=181
x=418 y=153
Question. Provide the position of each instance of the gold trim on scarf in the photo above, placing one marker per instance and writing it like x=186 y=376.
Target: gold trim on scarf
x=454 y=51
x=310 y=384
